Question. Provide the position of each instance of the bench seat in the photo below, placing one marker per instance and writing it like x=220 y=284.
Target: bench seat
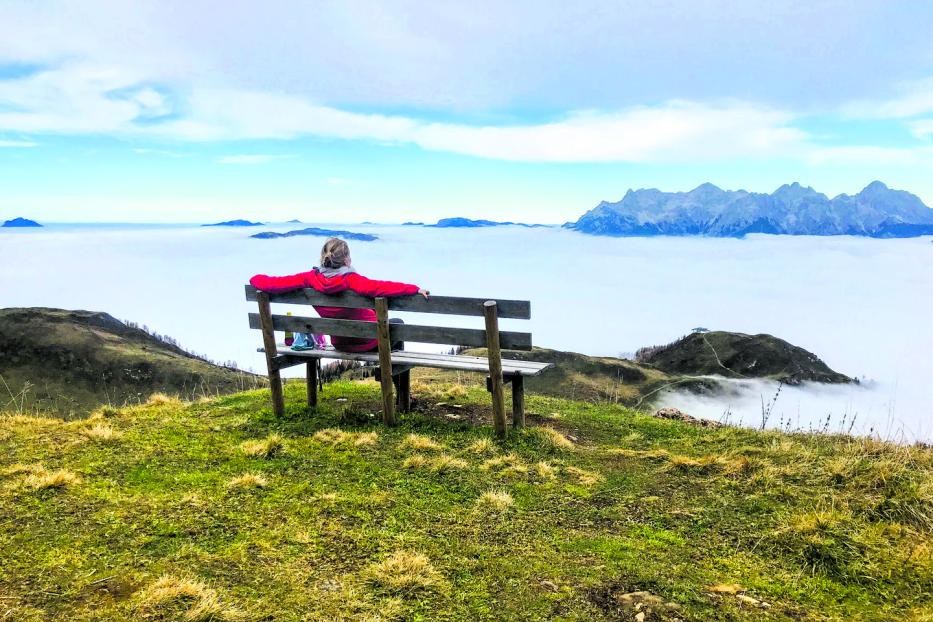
x=404 y=359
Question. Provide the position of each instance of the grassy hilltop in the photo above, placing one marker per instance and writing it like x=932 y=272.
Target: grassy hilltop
x=216 y=510
x=70 y=362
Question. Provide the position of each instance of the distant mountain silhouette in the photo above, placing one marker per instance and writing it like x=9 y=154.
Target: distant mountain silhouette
x=315 y=231
x=20 y=222
x=235 y=223
x=876 y=211
x=459 y=222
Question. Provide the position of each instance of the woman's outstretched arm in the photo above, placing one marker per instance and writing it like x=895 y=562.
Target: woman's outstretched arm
x=372 y=287
x=279 y=284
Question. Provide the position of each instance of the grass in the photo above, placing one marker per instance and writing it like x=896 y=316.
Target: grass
x=217 y=510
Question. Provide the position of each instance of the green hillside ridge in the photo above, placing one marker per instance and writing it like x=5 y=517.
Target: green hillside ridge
x=217 y=510
x=70 y=362
x=737 y=355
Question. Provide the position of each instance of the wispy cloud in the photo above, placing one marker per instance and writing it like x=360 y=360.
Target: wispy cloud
x=253 y=158
x=77 y=99
x=160 y=152
x=17 y=144
x=913 y=99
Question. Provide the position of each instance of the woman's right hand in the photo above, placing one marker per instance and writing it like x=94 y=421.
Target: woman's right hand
x=424 y=293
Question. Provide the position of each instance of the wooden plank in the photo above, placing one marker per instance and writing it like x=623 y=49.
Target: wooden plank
x=284 y=361
x=518 y=402
x=509 y=340
x=385 y=360
x=495 y=367
x=448 y=305
x=418 y=359
x=268 y=340
x=326 y=326
x=479 y=359
x=312 y=382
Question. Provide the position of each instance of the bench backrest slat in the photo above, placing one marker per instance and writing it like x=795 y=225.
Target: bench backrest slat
x=449 y=305
x=509 y=340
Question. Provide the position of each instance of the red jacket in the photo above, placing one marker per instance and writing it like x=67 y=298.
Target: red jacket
x=333 y=285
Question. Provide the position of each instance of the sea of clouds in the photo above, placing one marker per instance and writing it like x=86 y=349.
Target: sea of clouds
x=862 y=305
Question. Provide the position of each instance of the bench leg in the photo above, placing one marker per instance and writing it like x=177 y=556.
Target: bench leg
x=385 y=360
x=518 y=401
x=278 y=396
x=404 y=391
x=312 y=383
x=268 y=340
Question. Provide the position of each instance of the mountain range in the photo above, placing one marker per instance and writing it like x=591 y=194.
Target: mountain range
x=792 y=209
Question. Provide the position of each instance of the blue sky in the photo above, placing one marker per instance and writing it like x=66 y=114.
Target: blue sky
x=392 y=111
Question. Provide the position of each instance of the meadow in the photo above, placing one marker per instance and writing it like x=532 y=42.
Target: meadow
x=216 y=510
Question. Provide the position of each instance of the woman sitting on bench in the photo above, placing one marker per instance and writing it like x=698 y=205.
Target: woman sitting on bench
x=336 y=274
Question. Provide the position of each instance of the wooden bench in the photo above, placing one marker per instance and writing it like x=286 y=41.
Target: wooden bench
x=395 y=367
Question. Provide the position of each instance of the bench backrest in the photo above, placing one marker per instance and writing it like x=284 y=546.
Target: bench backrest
x=448 y=305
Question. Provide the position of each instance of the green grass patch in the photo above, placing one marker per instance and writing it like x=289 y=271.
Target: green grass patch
x=218 y=510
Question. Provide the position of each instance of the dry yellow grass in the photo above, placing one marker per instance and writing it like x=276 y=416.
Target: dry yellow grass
x=420 y=442
x=101 y=432
x=173 y=597
x=366 y=439
x=41 y=479
x=442 y=462
x=726 y=588
x=248 y=480
x=27 y=421
x=657 y=455
x=482 y=446
x=555 y=438
x=336 y=436
x=501 y=462
x=545 y=471
x=161 y=399
x=22 y=469
x=403 y=572
x=104 y=412
x=497 y=500
x=331 y=436
x=586 y=478
x=265 y=448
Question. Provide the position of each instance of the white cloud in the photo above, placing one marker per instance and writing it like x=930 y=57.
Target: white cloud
x=870 y=155
x=914 y=99
x=922 y=129
x=253 y=158
x=15 y=144
x=79 y=99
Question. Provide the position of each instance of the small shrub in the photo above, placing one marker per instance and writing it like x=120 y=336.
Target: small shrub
x=403 y=572
x=268 y=447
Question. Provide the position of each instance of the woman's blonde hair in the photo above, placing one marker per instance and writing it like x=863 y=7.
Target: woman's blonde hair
x=335 y=254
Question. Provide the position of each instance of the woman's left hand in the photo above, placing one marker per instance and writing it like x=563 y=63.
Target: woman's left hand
x=424 y=293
